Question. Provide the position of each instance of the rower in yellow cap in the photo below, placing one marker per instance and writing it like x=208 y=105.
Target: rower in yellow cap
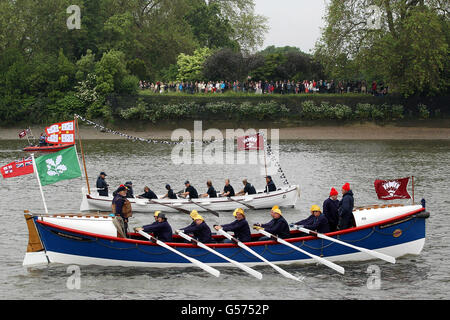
x=239 y=226
x=316 y=221
x=278 y=226
x=199 y=228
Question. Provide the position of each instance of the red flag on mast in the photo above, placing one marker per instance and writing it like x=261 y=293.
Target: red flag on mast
x=252 y=142
x=62 y=132
x=17 y=168
x=392 y=189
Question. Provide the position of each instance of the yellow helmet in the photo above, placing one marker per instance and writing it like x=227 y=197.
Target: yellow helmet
x=238 y=210
x=157 y=213
x=275 y=207
x=198 y=217
x=315 y=208
x=277 y=210
x=193 y=214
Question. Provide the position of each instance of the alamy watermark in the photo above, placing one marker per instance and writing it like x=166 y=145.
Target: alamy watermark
x=221 y=150
x=74 y=20
x=374 y=279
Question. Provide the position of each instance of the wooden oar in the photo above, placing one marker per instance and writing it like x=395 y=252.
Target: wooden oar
x=249 y=270
x=204 y=208
x=373 y=253
x=245 y=204
x=243 y=246
x=317 y=258
x=199 y=264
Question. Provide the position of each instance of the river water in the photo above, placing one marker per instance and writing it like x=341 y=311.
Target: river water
x=315 y=166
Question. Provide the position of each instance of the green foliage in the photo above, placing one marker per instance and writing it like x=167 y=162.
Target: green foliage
x=190 y=68
x=424 y=113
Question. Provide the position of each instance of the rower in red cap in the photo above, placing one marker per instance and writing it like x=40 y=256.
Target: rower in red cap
x=330 y=209
x=346 y=219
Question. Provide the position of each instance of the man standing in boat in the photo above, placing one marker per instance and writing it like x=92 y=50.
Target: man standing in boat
x=121 y=208
x=129 y=185
x=270 y=185
x=346 y=218
x=102 y=186
x=211 y=192
x=228 y=190
x=331 y=208
x=189 y=191
x=278 y=226
x=248 y=188
x=239 y=226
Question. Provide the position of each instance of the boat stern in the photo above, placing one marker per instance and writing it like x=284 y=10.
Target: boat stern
x=35 y=255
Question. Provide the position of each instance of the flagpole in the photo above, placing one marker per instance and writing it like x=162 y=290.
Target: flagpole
x=264 y=147
x=39 y=182
x=82 y=156
x=412 y=189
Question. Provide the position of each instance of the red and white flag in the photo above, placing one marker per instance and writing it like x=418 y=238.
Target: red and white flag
x=18 y=168
x=62 y=132
x=23 y=133
x=392 y=189
x=253 y=142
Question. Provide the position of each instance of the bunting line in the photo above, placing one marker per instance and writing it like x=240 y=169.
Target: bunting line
x=129 y=137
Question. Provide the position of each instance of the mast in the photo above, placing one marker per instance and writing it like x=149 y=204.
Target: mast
x=82 y=156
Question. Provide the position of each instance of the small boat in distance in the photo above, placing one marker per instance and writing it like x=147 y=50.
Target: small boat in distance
x=48 y=148
x=283 y=197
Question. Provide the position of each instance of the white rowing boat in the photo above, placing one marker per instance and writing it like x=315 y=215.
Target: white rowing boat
x=283 y=197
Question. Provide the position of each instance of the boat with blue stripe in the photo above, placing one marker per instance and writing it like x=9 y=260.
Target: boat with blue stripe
x=394 y=230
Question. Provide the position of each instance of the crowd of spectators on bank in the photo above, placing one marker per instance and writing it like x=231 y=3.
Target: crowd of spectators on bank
x=267 y=87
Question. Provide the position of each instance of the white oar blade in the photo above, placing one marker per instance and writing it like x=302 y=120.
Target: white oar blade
x=373 y=253
x=317 y=258
x=243 y=246
x=199 y=264
x=242 y=266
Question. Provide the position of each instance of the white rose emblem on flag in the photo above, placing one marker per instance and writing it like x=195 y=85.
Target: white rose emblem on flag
x=55 y=168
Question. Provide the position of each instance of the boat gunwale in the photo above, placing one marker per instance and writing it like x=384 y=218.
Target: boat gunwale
x=231 y=245
x=214 y=200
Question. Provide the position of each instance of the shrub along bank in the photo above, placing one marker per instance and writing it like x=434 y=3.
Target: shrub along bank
x=346 y=108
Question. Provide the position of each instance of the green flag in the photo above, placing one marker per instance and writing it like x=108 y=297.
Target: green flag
x=62 y=165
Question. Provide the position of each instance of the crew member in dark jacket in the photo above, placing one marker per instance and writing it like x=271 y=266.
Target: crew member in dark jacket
x=148 y=194
x=212 y=193
x=346 y=218
x=199 y=229
x=270 y=185
x=189 y=191
x=278 y=226
x=248 y=188
x=102 y=186
x=121 y=207
x=239 y=226
x=228 y=190
x=330 y=209
x=170 y=194
x=161 y=229
x=129 y=185
x=316 y=221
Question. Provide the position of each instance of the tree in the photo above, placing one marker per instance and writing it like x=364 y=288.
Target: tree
x=249 y=28
x=406 y=44
x=190 y=68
